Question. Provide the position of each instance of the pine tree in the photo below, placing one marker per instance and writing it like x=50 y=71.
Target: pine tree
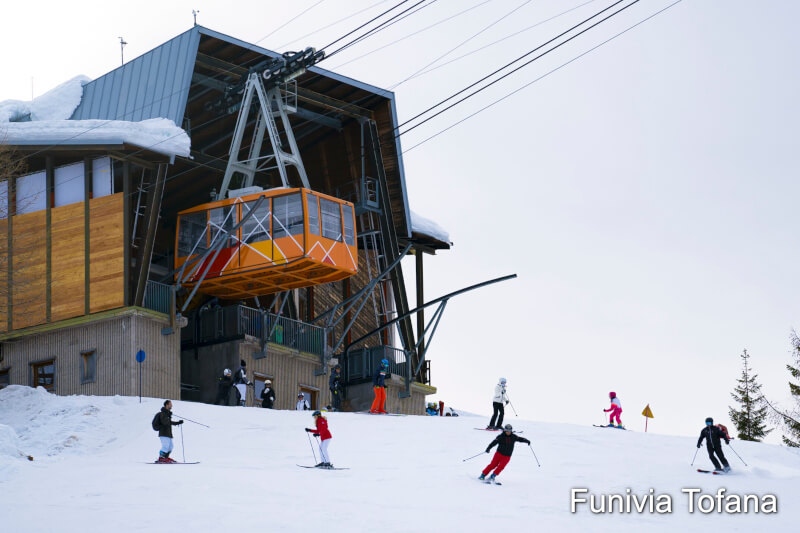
x=750 y=420
x=790 y=419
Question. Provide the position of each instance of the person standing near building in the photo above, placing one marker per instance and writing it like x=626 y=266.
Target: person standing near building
x=505 y=447
x=713 y=434
x=379 y=386
x=498 y=405
x=321 y=431
x=224 y=385
x=615 y=410
x=302 y=403
x=267 y=395
x=335 y=386
x=241 y=382
x=165 y=424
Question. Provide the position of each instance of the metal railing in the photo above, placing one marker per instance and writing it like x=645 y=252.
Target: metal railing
x=285 y=331
x=360 y=365
x=157 y=297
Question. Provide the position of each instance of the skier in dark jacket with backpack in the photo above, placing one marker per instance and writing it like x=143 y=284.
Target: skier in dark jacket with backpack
x=335 y=386
x=224 y=385
x=713 y=434
x=505 y=447
x=165 y=424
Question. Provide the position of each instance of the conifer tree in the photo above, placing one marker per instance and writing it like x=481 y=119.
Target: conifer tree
x=750 y=419
x=791 y=419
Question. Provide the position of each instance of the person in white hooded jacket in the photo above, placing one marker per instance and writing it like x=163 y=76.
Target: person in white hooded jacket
x=498 y=402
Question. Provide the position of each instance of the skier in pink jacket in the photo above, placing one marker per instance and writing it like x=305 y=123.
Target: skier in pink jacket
x=615 y=410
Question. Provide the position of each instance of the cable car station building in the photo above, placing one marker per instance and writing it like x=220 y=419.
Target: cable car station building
x=272 y=236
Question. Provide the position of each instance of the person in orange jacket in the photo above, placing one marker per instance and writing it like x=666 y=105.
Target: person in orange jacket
x=379 y=386
x=321 y=431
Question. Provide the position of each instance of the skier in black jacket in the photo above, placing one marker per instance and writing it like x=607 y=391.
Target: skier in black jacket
x=165 y=424
x=505 y=447
x=224 y=385
x=267 y=395
x=712 y=434
x=335 y=385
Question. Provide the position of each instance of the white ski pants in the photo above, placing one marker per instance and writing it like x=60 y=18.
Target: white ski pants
x=323 y=451
x=166 y=444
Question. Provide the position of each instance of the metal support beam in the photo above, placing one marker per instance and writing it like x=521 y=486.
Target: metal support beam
x=151 y=219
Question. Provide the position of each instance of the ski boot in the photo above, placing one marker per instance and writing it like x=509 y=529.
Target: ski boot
x=482 y=477
x=328 y=466
x=167 y=458
x=319 y=465
x=611 y=425
x=726 y=469
x=719 y=470
x=492 y=478
x=619 y=426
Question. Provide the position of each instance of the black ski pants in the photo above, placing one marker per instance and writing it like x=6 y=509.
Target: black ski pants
x=223 y=397
x=500 y=410
x=718 y=449
x=336 y=399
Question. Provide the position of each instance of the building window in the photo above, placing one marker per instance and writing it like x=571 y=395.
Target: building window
x=88 y=366
x=43 y=374
x=68 y=184
x=5 y=378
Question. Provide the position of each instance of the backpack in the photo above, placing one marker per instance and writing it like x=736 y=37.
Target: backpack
x=724 y=430
x=157 y=421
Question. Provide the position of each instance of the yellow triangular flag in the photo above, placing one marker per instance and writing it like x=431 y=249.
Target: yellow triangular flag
x=647 y=412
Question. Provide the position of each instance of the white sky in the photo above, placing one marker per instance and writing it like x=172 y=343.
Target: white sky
x=644 y=194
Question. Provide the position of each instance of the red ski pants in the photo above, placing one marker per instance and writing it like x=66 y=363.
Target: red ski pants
x=615 y=412
x=499 y=462
x=379 y=403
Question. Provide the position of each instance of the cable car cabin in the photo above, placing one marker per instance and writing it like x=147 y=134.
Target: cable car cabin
x=294 y=238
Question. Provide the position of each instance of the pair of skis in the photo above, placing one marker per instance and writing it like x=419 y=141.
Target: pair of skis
x=715 y=472
x=612 y=427
x=320 y=468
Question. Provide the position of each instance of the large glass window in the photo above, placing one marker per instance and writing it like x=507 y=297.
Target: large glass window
x=31 y=193
x=3 y=199
x=102 y=177
x=255 y=228
x=331 y=219
x=192 y=234
x=68 y=184
x=221 y=221
x=287 y=215
x=313 y=214
x=44 y=374
x=347 y=218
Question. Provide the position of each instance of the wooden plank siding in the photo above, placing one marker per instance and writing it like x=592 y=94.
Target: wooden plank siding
x=106 y=252
x=29 y=287
x=67 y=272
x=115 y=340
x=4 y=264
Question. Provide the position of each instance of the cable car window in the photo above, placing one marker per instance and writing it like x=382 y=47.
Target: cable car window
x=220 y=221
x=347 y=218
x=288 y=215
x=331 y=219
x=256 y=228
x=313 y=214
x=192 y=234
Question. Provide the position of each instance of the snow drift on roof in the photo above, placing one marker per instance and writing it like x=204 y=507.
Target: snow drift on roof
x=56 y=104
x=159 y=135
x=420 y=224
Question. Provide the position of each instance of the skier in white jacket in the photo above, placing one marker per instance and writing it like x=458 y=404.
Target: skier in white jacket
x=498 y=402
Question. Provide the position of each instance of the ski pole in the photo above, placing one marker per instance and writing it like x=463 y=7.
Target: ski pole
x=695 y=456
x=183 y=449
x=192 y=421
x=534 y=456
x=512 y=406
x=312 y=446
x=737 y=455
x=473 y=457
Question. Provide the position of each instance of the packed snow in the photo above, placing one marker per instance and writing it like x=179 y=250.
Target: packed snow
x=44 y=120
x=56 y=104
x=91 y=473
x=426 y=226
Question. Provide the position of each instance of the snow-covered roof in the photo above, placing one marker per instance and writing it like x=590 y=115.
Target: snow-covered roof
x=44 y=121
x=426 y=226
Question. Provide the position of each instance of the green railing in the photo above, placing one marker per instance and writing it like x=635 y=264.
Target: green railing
x=157 y=297
x=285 y=331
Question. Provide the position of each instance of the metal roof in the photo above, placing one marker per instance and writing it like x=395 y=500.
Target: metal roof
x=153 y=85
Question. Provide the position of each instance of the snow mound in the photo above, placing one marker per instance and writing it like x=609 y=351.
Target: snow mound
x=159 y=135
x=426 y=226
x=56 y=104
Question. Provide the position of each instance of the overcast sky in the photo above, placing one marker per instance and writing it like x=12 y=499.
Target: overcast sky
x=645 y=194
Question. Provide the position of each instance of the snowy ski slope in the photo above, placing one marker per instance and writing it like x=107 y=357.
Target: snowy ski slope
x=90 y=473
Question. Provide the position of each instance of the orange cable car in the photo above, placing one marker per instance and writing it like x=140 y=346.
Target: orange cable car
x=295 y=238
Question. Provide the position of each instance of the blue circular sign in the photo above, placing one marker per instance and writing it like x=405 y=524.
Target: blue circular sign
x=140 y=356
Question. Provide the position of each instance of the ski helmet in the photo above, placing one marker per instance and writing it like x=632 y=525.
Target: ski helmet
x=227 y=371
x=508 y=427
x=316 y=413
x=300 y=395
x=267 y=382
x=502 y=381
x=612 y=395
x=709 y=421
x=385 y=362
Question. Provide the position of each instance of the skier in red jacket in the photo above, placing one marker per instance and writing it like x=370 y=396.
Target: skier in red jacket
x=322 y=432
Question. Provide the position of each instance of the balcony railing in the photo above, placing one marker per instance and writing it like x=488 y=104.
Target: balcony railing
x=157 y=297
x=361 y=365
